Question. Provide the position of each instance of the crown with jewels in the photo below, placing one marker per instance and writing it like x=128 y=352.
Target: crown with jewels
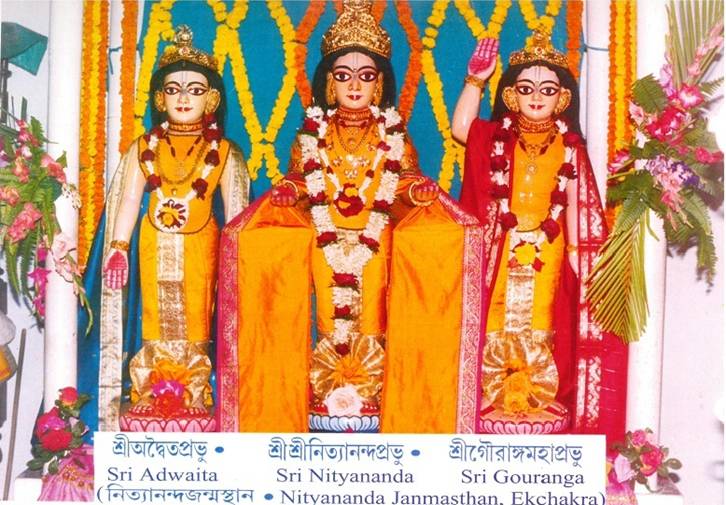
x=539 y=47
x=356 y=26
x=182 y=50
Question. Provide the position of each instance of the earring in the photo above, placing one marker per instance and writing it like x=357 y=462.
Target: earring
x=510 y=99
x=377 y=92
x=159 y=101
x=330 y=98
x=213 y=99
x=563 y=101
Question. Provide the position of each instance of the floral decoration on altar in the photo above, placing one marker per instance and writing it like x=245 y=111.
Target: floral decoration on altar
x=673 y=167
x=59 y=431
x=638 y=458
x=30 y=182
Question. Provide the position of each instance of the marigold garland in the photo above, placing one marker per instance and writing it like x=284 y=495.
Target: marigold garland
x=574 y=34
x=160 y=28
x=435 y=88
x=92 y=137
x=378 y=10
x=621 y=72
x=303 y=33
x=129 y=30
x=411 y=80
x=546 y=21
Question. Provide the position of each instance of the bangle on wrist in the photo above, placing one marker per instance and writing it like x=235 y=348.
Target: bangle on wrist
x=571 y=248
x=120 y=245
x=475 y=81
x=288 y=182
x=414 y=200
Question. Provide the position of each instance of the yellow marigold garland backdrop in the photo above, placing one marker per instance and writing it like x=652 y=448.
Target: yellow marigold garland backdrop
x=92 y=148
x=268 y=85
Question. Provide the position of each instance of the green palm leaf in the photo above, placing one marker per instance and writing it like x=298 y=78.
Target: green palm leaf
x=616 y=288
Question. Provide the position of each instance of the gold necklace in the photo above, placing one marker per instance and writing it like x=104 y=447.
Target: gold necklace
x=527 y=126
x=185 y=127
x=180 y=168
x=534 y=150
x=354 y=116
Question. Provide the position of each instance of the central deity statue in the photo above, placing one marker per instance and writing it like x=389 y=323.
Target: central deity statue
x=356 y=239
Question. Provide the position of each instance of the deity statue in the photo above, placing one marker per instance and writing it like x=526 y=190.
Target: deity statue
x=160 y=237
x=355 y=226
x=545 y=365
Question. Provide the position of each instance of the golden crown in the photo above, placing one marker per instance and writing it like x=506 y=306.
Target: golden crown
x=182 y=50
x=539 y=47
x=356 y=26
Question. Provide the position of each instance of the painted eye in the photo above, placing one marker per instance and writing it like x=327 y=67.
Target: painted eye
x=549 y=90
x=171 y=90
x=197 y=90
x=342 y=76
x=368 y=76
x=523 y=89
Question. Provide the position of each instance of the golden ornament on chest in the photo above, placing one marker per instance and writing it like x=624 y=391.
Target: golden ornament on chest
x=348 y=200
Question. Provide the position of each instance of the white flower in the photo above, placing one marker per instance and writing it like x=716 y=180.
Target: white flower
x=396 y=144
x=561 y=126
x=344 y=401
x=375 y=111
x=392 y=117
x=498 y=148
x=315 y=113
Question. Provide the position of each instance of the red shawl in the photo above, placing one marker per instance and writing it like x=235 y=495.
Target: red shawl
x=592 y=364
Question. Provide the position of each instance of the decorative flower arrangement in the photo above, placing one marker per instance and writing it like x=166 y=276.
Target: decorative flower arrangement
x=673 y=167
x=59 y=431
x=30 y=182
x=638 y=458
x=348 y=266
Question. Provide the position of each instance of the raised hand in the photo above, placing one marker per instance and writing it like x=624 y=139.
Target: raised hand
x=116 y=270
x=484 y=58
x=284 y=194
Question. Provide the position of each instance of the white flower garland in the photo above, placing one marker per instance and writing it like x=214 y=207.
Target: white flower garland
x=391 y=147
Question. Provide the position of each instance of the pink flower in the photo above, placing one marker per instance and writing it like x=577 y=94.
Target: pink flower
x=637 y=114
x=42 y=253
x=54 y=168
x=620 y=161
x=9 y=195
x=623 y=471
x=666 y=80
x=62 y=245
x=651 y=459
x=705 y=156
x=20 y=170
x=638 y=438
x=24 y=222
x=169 y=387
x=39 y=304
x=51 y=420
x=690 y=96
x=23 y=152
x=39 y=277
x=68 y=396
x=669 y=122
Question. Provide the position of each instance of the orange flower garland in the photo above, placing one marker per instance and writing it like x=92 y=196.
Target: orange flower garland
x=129 y=30
x=92 y=137
x=621 y=47
x=303 y=33
x=378 y=9
x=413 y=73
x=574 y=33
